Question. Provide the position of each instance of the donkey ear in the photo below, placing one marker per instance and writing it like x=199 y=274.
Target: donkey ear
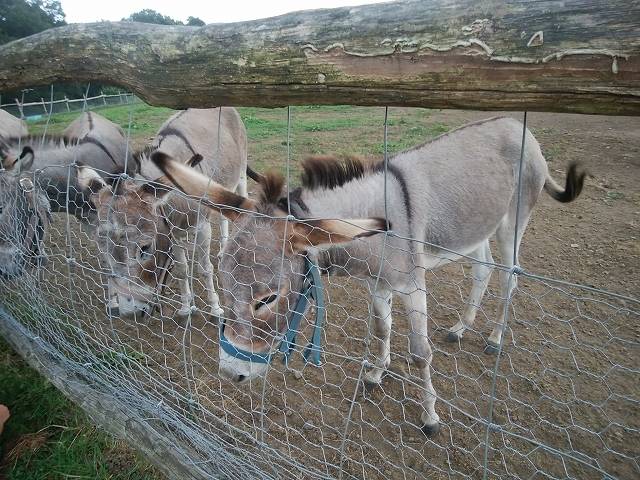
x=90 y=180
x=155 y=193
x=198 y=185
x=326 y=233
x=23 y=162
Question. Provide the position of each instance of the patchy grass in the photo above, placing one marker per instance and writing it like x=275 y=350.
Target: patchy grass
x=314 y=129
x=145 y=119
x=47 y=437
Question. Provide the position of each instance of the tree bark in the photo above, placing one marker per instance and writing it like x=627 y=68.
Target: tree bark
x=549 y=55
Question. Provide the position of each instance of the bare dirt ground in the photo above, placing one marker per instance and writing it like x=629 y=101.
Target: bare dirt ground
x=567 y=394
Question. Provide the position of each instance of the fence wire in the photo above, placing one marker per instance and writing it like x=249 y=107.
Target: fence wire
x=559 y=401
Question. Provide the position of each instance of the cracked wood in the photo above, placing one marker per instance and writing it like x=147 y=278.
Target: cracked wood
x=580 y=56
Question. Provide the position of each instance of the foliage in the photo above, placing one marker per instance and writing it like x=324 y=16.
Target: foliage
x=21 y=18
x=195 y=22
x=149 y=15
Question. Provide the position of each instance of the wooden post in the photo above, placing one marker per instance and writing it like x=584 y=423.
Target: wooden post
x=579 y=56
x=20 y=108
x=66 y=101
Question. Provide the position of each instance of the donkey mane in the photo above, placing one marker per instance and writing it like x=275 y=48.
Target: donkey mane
x=271 y=186
x=318 y=172
x=330 y=172
x=144 y=153
x=50 y=140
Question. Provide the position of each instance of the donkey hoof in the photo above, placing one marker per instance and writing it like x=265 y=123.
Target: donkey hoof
x=492 y=348
x=113 y=310
x=431 y=429
x=453 y=337
x=183 y=313
x=370 y=387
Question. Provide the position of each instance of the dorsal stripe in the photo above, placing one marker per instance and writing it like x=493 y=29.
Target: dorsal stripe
x=172 y=132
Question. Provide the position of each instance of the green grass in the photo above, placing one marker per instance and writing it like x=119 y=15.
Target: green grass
x=340 y=129
x=48 y=437
x=145 y=119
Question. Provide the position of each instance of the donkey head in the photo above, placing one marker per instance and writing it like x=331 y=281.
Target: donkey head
x=24 y=217
x=134 y=236
x=262 y=268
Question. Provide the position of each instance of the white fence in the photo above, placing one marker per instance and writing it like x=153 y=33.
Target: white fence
x=22 y=109
x=561 y=401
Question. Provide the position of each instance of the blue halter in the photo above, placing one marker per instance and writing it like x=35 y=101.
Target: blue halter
x=311 y=288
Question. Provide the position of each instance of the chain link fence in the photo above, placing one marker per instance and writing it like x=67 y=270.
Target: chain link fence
x=560 y=400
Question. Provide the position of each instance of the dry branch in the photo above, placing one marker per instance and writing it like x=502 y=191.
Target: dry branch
x=575 y=56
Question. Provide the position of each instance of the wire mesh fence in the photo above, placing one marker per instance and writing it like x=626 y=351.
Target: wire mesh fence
x=124 y=291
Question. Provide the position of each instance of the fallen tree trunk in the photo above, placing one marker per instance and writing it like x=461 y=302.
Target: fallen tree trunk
x=575 y=56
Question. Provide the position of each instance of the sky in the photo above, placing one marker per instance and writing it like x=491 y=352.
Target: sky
x=211 y=11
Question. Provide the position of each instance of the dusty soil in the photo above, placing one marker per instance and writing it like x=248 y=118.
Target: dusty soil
x=567 y=389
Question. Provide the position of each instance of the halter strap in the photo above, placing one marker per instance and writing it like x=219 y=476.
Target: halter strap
x=166 y=267
x=312 y=288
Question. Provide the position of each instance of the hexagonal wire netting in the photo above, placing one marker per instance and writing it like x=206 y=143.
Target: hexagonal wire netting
x=125 y=300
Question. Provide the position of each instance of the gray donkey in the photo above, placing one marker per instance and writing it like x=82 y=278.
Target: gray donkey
x=449 y=195
x=11 y=126
x=24 y=219
x=90 y=140
x=142 y=228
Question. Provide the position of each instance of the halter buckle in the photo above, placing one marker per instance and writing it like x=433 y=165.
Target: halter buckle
x=26 y=184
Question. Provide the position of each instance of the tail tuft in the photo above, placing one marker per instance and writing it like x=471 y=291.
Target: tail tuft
x=573 y=185
x=253 y=175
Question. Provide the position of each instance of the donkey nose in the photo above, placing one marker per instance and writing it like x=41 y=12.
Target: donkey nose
x=240 y=378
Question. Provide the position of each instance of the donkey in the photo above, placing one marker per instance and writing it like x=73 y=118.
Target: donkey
x=11 y=126
x=449 y=195
x=142 y=228
x=91 y=140
x=24 y=219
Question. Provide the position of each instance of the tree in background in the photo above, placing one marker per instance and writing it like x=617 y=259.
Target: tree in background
x=151 y=16
x=21 y=18
x=195 y=22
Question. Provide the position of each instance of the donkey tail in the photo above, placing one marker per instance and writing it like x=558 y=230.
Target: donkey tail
x=253 y=175
x=573 y=185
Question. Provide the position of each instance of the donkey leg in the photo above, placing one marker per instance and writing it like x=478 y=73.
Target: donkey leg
x=205 y=268
x=481 y=274
x=112 y=299
x=421 y=354
x=241 y=189
x=182 y=272
x=224 y=234
x=505 y=239
x=381 y=329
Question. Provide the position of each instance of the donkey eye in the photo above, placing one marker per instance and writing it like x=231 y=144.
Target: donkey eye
x=265 y=301
x=145 y=251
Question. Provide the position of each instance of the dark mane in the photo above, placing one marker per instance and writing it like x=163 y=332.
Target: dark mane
x=271 y=186
x=49 y=139
x=330 y=172
x=144 y=152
